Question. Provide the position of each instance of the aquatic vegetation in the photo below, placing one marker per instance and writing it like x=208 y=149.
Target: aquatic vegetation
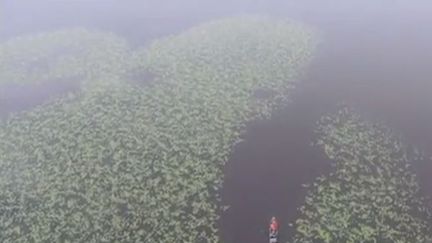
x=131 y=163
x=372 y=195
x=236 y=57
x=77 y=54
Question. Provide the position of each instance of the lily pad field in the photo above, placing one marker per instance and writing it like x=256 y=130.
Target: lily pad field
x=130 y=160
x=372 y=195
x=203 y=134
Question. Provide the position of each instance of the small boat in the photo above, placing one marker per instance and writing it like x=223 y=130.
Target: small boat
x=273 y=230
x=273 y=238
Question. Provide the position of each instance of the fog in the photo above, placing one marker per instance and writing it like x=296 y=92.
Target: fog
x=25 y=16
x=375 y=56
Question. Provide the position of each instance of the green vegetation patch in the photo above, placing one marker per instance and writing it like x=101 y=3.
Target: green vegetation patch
x=130 y=163
x=234 y=59
x=67 y=55
x=373 y=194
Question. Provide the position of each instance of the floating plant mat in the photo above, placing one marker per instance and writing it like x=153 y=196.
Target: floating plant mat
x=134 y=163
x=76 y=55
x=372 y=195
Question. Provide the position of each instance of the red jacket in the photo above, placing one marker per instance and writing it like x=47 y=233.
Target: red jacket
x=274 y=226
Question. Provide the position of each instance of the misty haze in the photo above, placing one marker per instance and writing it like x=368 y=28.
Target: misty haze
x=293 y=121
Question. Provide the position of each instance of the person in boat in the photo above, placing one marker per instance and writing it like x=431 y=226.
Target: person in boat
x=274 y=227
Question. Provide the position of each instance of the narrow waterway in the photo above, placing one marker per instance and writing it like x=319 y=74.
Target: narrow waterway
x=265 y=174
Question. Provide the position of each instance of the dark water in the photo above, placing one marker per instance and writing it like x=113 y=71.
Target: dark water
x=264 y=175
x=375 y=56
x=20 y=97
